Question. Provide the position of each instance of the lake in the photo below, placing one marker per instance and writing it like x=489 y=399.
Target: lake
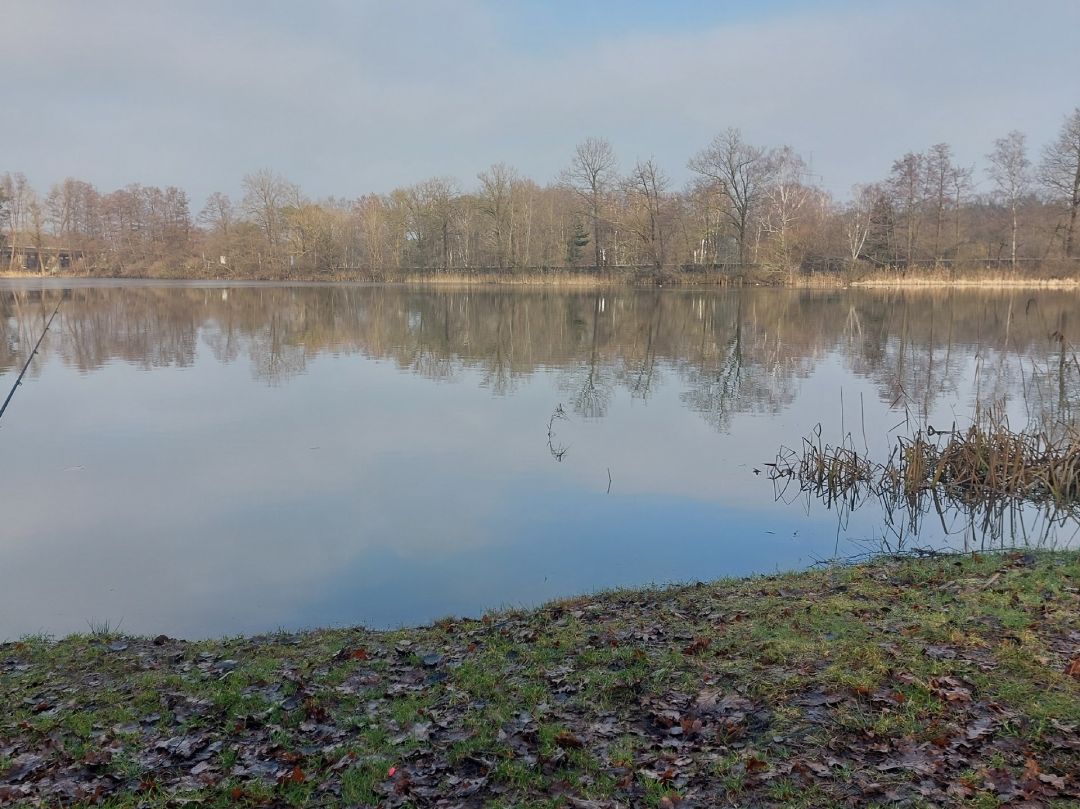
x=213 y=459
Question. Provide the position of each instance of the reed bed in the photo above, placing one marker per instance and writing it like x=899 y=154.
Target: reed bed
x=525 y=278
x=990 y=461
x=590 y=278
x=984 y=465
x=982 y=281
x=839 y=474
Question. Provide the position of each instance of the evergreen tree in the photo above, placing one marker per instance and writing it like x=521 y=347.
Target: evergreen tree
x=578 y=241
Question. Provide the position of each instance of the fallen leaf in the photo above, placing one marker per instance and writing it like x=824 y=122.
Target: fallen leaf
x=22 y=767
x=566 y=739
x=697 y=646
x=294 y=776
x=939 y=652
x=343 y=762
x=690 y=725
x=97 y=758
x=817 y=768
x=950 y=689
x=990 y=582
x=1002 y=782
x=664 y=775
x=1055 y=781
x=733 y=703
x=916 y=761
x=755 y=764
x=983 y=726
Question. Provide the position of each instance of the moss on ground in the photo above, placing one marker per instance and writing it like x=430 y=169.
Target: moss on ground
x=930 y=682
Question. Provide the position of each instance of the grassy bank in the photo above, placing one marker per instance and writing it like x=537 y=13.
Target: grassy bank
x=943 y=681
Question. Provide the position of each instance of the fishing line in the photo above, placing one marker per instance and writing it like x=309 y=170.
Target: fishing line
x=29 y=359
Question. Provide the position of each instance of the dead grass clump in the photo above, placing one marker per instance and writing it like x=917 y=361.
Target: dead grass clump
x=982 y=464
x=839 y=474
x=1020 y=465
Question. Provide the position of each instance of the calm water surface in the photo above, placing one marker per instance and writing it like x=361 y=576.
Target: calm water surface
x=206 y=460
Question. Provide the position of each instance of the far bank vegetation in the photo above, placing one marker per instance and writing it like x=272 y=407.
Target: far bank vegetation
x=749 y=213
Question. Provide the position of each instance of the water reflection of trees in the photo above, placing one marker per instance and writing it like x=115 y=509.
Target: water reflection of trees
x=745 y=362
x=732 y=351
x=922 y=348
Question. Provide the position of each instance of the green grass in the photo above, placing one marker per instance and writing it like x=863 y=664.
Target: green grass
x=830 y=676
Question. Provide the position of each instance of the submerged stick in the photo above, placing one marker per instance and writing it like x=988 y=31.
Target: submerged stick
x=37 y=345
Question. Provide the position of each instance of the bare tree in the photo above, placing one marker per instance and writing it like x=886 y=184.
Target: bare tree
x=37 y=233
x=742 y=174
x=218 y=214
x=591 y=174
x=431 y=208
x=370 y=213
x=786 y=197
x=60 y=207
x=20 y=195
x=858 y=218
x=906 y=183
x=175 y=219
x=939 y=175
x=441 y=192
x=523 y=199
x=960 y=182
x=218 y=218
x=646 y=190
x=300 y=217
x=1060 y=174
x=5 y=213
x=265 y=196
x=1010 y=170
x=495 y=203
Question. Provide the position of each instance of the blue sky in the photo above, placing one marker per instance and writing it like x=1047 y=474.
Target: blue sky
x=351 y=96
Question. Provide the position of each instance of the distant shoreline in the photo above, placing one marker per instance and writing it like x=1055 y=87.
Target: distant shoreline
x=590 y=279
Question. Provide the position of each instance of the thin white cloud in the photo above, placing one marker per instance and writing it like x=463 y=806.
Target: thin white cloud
x=346 y=98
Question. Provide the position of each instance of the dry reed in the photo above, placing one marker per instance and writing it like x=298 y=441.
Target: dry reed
x=986 y=462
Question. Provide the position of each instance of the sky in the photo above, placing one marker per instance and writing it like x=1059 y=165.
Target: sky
x=347 y=97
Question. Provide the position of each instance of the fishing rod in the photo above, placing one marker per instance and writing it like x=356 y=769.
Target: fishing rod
x=30 y=359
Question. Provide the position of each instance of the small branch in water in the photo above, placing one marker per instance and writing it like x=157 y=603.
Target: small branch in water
x=609 y=480
x=558 y=452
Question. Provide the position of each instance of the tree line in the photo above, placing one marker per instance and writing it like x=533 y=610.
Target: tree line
x=748 y=208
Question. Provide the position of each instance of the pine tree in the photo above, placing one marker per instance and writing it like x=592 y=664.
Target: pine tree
x=575 y=246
